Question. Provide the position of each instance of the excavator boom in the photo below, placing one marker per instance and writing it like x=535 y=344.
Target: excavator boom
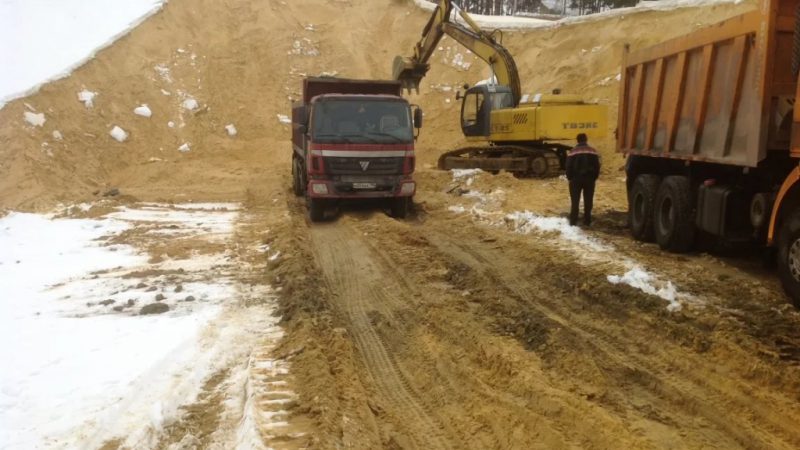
x=410 y=70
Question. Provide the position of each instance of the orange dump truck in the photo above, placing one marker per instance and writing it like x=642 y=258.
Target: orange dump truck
x=711 y=131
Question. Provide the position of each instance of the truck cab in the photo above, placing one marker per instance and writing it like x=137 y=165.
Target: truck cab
x=354 y=140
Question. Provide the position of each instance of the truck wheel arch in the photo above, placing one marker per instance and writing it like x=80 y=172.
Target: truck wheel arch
x=787 y=200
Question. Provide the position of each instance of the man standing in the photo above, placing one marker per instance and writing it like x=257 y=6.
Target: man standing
x=583 y=168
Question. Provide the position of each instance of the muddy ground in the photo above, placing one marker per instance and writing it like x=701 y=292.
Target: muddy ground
x=447 y=329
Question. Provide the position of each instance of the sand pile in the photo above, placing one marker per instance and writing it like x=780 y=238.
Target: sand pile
x=202 y=65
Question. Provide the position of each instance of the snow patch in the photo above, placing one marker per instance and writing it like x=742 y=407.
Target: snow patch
x=459 y=174
x=184 y=148
x=526 y=222
x=646 y=282
x=190 y=104
x=119 y=134
x=284 y=119
x=57 y=135
x=87 y=97
x=231 y=129
x=29 y=31
x=143 y=111
x=34 y=119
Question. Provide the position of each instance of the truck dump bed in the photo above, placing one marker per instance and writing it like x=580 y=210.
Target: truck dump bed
x=722 y=94
x=324 y=85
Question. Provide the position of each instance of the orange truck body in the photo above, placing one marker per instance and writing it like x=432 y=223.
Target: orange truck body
x=717 y=95
x=717 y=107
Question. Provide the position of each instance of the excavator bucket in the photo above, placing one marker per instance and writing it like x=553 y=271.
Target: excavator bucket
x=409 y=72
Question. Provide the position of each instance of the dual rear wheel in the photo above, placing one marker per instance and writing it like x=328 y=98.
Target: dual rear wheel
x=662 y=210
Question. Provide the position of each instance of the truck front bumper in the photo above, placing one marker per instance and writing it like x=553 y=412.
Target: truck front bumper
x=362 y=187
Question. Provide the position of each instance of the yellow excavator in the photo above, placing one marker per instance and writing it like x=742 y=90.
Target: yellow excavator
x=511 y=132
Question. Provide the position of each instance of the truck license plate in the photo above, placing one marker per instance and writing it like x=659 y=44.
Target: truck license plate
x=364 y=185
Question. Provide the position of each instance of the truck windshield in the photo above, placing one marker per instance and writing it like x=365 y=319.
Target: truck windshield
x=361 y=121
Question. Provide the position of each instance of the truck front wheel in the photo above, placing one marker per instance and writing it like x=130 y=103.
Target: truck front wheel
x=789 y=257
x=316 y=209
x=297 y=178
x=400 y=206
x=674 y=223
x=642 y=205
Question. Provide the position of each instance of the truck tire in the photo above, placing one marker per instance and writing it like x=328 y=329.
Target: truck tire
x=316 y=209
x=789 y=257
x=641 y=209
x=297 y=178
x=674 y=221
x=400 y=206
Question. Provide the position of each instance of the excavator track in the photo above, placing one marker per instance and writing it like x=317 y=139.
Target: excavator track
x=521 y=161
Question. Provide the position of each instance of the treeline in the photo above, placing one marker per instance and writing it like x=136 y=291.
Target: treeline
x=562 y=7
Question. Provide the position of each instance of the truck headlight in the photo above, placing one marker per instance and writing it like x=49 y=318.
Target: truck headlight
x=319 y=188
x=407 y=189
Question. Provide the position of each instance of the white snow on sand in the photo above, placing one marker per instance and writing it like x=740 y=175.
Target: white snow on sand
x=231 y=129
x=190 y=104
x=87 y=97
x=284 y=119
x=185 y=148
x=30 y=29
x=76 y=372
x=487 y=209
x=118 y=134
x=526 y=222
x=646 y=282
x=518 y=22
x=143 y=111
x=34 y=119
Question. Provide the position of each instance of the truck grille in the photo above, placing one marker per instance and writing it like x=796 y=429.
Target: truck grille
x=363 y=166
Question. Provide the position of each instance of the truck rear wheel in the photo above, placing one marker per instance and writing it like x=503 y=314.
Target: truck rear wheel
x=316 y=209
x=674 y=224
x=400 y=207
x=789 y=257
x=642 y=200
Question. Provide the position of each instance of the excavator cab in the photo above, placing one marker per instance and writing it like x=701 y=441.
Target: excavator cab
x=477 y=106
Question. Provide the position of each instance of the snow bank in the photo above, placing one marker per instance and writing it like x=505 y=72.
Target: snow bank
x=72 y=366
x=30 y=29
x=516 y=22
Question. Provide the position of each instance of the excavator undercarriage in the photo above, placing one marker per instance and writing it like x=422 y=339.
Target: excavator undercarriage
x=523 y=162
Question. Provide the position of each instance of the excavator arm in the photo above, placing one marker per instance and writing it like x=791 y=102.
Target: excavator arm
x=411 y=70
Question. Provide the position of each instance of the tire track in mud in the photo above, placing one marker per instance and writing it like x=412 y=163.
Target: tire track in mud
x=359 y=289
x=672 y=389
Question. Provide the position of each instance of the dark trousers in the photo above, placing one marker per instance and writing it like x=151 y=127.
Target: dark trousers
x=577 y=186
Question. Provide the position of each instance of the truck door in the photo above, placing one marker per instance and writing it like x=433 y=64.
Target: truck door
x=476 y=112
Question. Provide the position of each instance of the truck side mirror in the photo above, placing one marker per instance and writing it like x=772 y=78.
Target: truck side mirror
x=418 y=118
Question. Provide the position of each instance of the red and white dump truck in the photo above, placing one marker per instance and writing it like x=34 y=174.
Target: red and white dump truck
x=352 y=140
x=711 y=126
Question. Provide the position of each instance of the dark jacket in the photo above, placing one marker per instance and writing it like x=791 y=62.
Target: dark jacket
x=583 y=163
